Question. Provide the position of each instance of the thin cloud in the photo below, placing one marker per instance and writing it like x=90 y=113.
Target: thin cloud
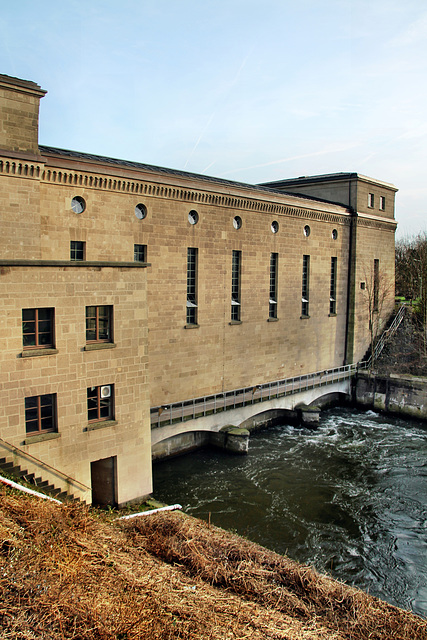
x=226 y=91
x=414 y=33
x=292 y=158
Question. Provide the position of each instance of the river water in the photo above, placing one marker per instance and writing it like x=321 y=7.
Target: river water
x=349 y=498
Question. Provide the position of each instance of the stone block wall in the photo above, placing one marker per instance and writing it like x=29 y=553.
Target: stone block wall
x=69 y=369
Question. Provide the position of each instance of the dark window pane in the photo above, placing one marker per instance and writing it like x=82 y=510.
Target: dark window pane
x=92 y=414
x=31 y=402
x=103 y=329
x=44 y=314
x=105 y=408
x=31 y=414
x=29 y=340
x=90 y=329
x=47 y=423
x=28 y=314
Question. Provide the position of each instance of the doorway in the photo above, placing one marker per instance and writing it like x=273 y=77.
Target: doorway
x=103 y=482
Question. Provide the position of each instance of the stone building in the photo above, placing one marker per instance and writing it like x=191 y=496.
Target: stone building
x=126 y=286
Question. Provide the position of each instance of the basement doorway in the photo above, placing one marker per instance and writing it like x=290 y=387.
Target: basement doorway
x=103 y=482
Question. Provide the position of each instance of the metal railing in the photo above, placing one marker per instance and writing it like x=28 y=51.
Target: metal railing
x=39 y=463
x=385 y=336
x=206 y=405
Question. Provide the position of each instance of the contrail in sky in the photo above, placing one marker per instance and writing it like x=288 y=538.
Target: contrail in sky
x=305 y=155
x=223 y=95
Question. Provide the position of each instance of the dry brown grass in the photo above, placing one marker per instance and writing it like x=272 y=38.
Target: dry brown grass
x=67 y=573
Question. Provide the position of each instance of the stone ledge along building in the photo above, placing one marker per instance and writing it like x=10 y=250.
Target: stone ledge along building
x=126 y=286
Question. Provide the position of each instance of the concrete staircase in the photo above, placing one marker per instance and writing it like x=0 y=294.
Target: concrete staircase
x=13 y=471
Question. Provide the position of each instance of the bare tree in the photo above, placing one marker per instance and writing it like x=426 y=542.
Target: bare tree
x=411 y=276
x=377 y=291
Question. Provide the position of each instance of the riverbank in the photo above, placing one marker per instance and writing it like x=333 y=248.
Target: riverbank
x=69 y=572
x=392 y=393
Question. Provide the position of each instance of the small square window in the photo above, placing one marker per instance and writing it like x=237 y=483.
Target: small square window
x=40 y=414
x=77 y=250
x=38 y=328
x=99 y=323
x=371 y=200
x=140 y=253
x=100 y=403
x=382 y=203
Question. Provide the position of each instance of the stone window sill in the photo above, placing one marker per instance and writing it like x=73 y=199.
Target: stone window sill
x=235 y=322
x=102 y=424
x=273 y=320
x=304 y=317
x=332 y=315
x=191 y=326
x=41 y=437
x=32 y=353
x=96 y=346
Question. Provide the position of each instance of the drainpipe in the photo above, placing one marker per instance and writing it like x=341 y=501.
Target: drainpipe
x=351 y=289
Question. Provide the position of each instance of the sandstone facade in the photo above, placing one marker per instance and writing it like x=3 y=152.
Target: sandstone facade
x=271 y=288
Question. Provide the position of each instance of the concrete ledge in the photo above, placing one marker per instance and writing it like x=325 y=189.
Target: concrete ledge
x=32 y=353
x=102 y=424
x=99 y=345
x=41 y=437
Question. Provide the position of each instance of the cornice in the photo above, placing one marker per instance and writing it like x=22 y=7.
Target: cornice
x=14 y=165
x=376 y=223
x=263 y=201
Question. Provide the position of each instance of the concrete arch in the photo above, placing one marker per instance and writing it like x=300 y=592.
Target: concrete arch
x=207 y=429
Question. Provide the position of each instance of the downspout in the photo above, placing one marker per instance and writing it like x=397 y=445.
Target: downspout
x=351 y=280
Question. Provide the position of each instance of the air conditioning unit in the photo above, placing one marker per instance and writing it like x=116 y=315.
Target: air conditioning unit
x=106 y=391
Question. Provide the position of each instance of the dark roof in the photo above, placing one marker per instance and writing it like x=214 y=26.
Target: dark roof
x=17 y=82
x=326 y=177
x=78 y=155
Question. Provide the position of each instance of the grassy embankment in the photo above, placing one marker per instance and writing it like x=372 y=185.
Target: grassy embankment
x=70 y=572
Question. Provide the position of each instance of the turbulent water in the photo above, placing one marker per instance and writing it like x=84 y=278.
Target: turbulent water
x=349 y=498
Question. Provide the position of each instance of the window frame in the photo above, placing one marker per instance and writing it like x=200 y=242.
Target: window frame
x=236 y=277
x=192 y=288
x=140 y=253
x=74 y=250
x=96 y=396
x=37 y=333
x=371 y=200
x=333 y=287
x=53 y=428
x=305 y=287
x=382 y=203
x=272 y=308
x=109 y=316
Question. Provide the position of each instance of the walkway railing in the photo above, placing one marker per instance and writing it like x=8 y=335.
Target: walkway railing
x=207 y=405
x=386 y=335
x=10 y=448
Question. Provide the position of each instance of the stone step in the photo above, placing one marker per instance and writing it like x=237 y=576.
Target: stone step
x=15 y=471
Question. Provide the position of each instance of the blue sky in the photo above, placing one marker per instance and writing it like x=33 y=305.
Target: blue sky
x=241 y=89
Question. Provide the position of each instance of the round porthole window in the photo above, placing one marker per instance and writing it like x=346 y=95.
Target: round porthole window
x=334 y=234
x=78 y=204
x=274 y=226
x=193 y=217
x=141 y=211
x=237 y=222
x=307 y=230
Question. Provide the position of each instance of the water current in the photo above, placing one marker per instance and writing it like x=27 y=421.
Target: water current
x=349 y=498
